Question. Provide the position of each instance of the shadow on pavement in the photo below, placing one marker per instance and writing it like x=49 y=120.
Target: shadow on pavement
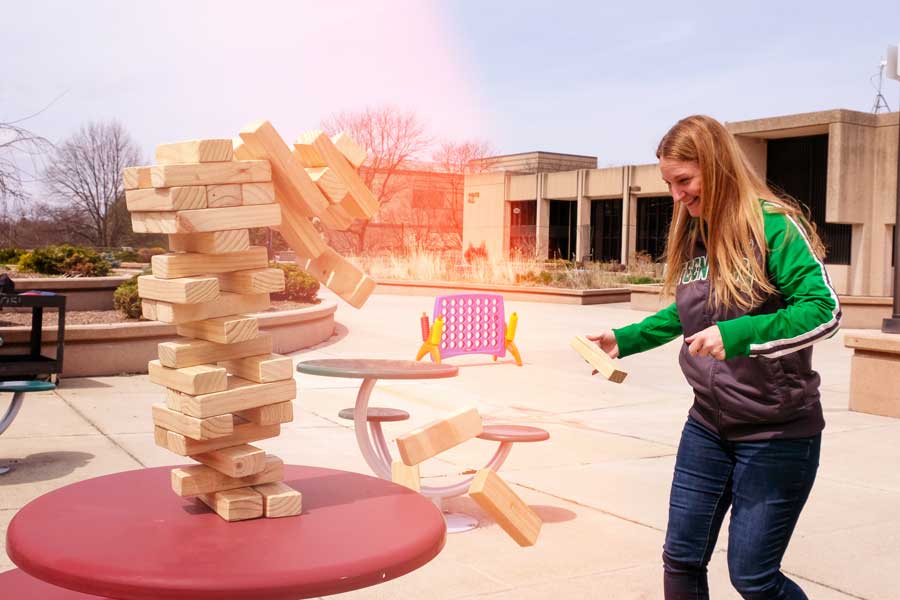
x=43 y=466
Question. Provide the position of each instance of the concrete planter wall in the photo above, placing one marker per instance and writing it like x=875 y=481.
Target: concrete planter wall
x=859 y=312
x=82 y=293
x=112 y=349
x=509 y=292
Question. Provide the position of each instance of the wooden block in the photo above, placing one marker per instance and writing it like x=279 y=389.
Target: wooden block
x=280 y=499
x=186 y=290
x=207 y=219
x=187 y=197
x=257 y=193
x=187 y=352
x=241 y=395
x=352 y=151
x=305 y=152
x=261 y=369
x=243 y=433
x=271 y=414
x=432 y=439
x=200 y=479
x=300 y=234
x=224 y=305
x=511 y=513
x=365 y=205
x=252 y=281
x=236 y=461
x=194 y=151
x=192 y=427
x=188 y=264
x=214 y=242
x=405 y=475
x=235 y=505
x=200 y=379
x=293 y=187
x=221 y=330
x=339 y=275
x=160 y=437
x=236 y=171
x=336 y=217
x=221 y=196
x=136 y=178
x=330 y=184
x=598 y=359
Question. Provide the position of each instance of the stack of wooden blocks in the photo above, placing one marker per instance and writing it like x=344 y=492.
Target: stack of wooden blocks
x=224 y=387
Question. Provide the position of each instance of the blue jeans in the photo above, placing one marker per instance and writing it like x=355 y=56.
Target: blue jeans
x=766 y=483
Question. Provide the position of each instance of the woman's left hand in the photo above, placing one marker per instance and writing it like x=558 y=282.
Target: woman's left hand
x=707 y=343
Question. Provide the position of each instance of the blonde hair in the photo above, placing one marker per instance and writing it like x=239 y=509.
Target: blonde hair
x=731 y=219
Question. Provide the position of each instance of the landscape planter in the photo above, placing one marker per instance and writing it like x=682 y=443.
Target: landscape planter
x=117 y=348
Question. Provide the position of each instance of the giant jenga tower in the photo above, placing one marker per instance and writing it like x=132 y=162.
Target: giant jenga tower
x=224 y=387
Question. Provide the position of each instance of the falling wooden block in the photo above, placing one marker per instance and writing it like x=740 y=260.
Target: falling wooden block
x=243 y=433
x=207 y=219
x=261 y=369
x=252 y=281
x=301 y=235
x=200 y=379
x=270 y=414
x=330 y=184
x=194 y=151
x=364 y=204
x=293 y=187
x=336 y=217
x=432 y=439
x=305 y=152
x=352 y=151
x=222 y=196
x=280 y=499
x=236 y=461
x=192 y=427
x=236 y=171
x=340 y=276
x=186 y=352
x=213 y=242
x=166 y=199
x=225 y=304
x=185 y=290
x=222 y=330
x=240 y=395
x=200 y=479
x=137 y=177
x=257 y=193
x=188 y=264
x=598 y=359
x=405 y=475
x=511 y=513
x=235 y=505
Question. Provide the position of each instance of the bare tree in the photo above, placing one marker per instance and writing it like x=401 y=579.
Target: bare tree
x=459 y=159
x=391 y=137
x=85 y=173
x=17 y=144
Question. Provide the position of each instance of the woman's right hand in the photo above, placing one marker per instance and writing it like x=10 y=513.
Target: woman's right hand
x=606 y=339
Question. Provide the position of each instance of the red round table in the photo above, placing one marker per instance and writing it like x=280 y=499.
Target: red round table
x=128 y=536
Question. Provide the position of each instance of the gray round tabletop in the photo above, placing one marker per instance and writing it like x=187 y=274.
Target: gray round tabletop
x=376 y=368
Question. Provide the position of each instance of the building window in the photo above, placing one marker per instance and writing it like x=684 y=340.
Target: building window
x=606 y=230
x=653 y=217
x=799 y=168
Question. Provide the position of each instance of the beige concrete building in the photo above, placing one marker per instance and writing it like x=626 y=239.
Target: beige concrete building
x=842 y=164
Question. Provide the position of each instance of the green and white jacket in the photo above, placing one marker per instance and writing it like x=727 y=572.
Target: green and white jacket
x=766 y=387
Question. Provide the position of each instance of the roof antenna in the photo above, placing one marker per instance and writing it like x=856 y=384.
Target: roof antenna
x=880 y=101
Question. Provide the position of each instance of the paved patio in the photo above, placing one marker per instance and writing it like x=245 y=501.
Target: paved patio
x=600 y=483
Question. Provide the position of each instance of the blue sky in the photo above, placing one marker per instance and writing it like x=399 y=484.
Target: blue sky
x=581 y=77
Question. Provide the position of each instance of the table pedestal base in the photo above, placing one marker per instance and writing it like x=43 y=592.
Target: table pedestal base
x=5 y=470
x=459 y=522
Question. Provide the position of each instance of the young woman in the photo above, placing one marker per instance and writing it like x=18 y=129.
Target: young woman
x=751 y=297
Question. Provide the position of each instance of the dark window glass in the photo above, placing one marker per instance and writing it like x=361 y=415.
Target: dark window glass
x=654 y=214
x=606 y=230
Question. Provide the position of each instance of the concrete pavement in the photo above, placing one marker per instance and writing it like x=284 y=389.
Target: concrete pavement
x=600 y=483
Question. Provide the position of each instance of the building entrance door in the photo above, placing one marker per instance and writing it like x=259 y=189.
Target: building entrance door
x=522 y=219
x=563 y=219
